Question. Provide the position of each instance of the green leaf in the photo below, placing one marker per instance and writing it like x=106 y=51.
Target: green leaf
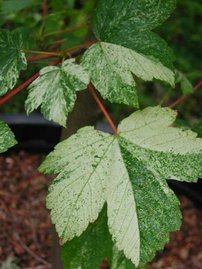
x=13 y=6
x=111 y=68
x=26 y=39
x=12 y=59
x=7 y=138
x=55 y=90
x=128 y=172
x=148 y=44
x=129 y=23
x=144 y=14
x=185 y=84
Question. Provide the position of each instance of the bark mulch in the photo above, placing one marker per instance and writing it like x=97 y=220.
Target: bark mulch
x=25 y=227
x=185 y=248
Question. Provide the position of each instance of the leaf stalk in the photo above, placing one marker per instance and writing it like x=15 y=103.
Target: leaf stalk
x=184 y=98
x=102 y=108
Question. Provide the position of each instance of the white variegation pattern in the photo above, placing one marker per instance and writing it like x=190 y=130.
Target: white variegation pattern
x=55 y=90
x=111 y=68
x=72 y=198
x=159 y=135
x=7 y=138
x=89 y=177
x=121 y=208
x=12 y=60
x=128 y=172
x=130 y=23
x=172 y=152
x=117 y=15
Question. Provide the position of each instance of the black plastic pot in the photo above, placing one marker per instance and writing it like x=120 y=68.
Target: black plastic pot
x=192 y=190
x=33 y=133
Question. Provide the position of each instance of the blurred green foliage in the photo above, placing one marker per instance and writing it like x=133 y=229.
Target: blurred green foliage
x=183 y=32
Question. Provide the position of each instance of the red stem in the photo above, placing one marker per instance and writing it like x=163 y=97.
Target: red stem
x=184 y=98
x=45 y=8
x=22 y=86
x=39 y=57
x=15 y=91
x=26 y=83
x=57 y=54
x=102 y=108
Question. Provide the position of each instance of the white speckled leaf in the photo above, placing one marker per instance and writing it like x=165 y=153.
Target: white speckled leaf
x=7 y=138
x=88 y=177
x=113 y=15
x=129 y=23
x=111 y=68
x=122 y=216
x=128 y=172
x=55 y=90
x=12 y=59
x=171 y=152
x=81 y=162
x=157 y=206
x=153 y=151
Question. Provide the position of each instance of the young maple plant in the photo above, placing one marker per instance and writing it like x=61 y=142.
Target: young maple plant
x=110 y=198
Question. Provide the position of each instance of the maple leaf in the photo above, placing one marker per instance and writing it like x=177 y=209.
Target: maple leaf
x=55 y=90
x=129 y=23
x=111 y=68
x=127 y=47
x=128 y=172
